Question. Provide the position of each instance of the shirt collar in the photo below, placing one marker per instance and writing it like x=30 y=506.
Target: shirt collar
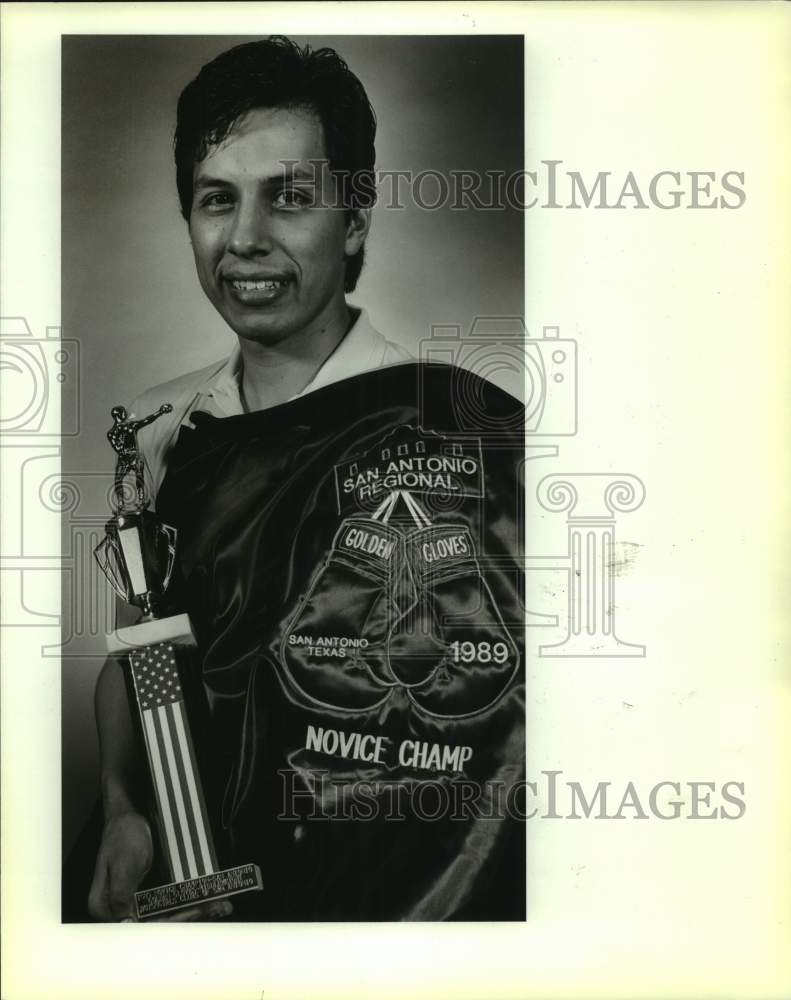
x=361 y=350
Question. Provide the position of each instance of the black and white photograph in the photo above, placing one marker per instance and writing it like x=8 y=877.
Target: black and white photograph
x=324 y=521
x=395 y=482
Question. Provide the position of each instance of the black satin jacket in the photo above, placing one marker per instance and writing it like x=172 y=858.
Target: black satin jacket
x=351 y=564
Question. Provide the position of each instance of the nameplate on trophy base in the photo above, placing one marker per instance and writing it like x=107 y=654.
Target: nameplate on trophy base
x=176 y=630
x=216 y=885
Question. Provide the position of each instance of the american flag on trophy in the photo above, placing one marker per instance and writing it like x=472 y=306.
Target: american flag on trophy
x=166 y=732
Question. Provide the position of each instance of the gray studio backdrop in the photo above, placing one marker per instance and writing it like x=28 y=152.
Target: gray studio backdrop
x=129 y=291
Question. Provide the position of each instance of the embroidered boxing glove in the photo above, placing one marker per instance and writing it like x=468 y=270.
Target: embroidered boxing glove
x=334 y=645
x=475 y=656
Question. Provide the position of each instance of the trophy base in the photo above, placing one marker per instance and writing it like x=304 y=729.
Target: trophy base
x=216 y=885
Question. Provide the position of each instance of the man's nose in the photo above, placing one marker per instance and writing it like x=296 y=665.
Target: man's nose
x=251 y=230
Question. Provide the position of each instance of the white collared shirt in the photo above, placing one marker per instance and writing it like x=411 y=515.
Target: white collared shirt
x=216 y=389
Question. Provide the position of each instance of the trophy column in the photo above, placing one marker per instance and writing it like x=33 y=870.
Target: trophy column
x=171 y=756
x=185 y=831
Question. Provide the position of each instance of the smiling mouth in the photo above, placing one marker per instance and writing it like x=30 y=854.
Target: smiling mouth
x=258 y=286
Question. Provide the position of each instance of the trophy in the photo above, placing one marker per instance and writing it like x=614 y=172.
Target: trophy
x=137 y=556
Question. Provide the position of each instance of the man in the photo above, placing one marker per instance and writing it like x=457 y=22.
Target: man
x=331 y=514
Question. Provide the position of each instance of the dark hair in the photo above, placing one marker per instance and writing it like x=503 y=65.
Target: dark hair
x=277 y=73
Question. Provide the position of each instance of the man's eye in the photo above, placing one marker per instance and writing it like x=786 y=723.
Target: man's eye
x=291 y=198
x=217 y=200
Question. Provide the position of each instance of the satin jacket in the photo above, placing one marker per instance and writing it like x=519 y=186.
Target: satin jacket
x=351 y=564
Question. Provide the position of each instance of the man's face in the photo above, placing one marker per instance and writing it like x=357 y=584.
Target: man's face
x=269 y=246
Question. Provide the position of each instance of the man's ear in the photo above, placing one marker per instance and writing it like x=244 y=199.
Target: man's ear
x=357 y=226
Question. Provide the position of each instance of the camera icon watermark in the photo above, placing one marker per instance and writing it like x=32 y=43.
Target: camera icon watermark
x=544 y=372
x=32 y=368
x=499 y=349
